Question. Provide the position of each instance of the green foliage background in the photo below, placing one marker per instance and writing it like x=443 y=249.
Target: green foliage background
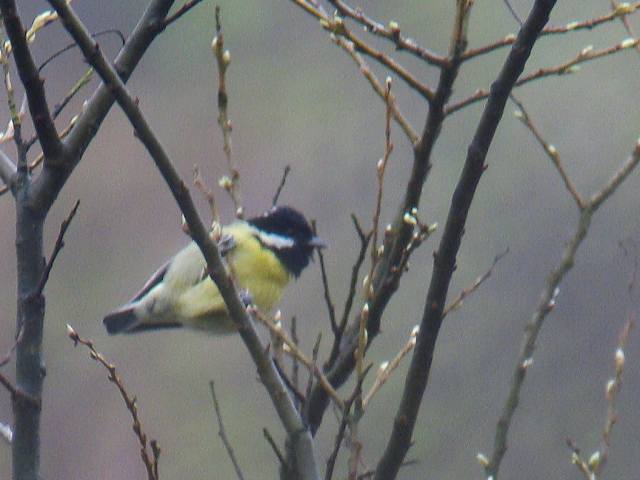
x=296 y=99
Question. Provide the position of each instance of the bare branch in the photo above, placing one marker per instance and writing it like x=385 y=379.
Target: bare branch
x=298 y=434
x=400 y=234
x=445 y=257
x=150 y=460
x=180 y=12
x=457 y=302
x=56 y=250
x=392 y=33
x=34 y=85
x=223 y=59
x=293 y=350
x=274 y=446
x=355 y=272
x=620 y=11
x=550 y=150
x=571 y=66
x=545 y=306
x=283 y=180
x=337 y=27
x=223 y=434
x=49 y=183
x=406 y=127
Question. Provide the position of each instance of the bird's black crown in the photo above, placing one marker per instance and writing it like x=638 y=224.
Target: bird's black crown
x=287 y=233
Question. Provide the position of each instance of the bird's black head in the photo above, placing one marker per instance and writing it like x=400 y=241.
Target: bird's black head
x=287 y=233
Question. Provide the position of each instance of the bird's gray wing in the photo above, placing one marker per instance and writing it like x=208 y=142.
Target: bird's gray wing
x=155 y=279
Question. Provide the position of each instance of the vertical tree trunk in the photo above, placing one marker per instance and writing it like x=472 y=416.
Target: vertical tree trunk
x=29 y=363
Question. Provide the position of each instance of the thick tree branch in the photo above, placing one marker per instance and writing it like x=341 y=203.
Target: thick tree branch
x=445 y=257
x=296 y=430
x=399 y=234
x=49 y=183
x=33 y=84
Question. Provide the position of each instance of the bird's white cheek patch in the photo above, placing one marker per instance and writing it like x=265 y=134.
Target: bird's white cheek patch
x=273 y=240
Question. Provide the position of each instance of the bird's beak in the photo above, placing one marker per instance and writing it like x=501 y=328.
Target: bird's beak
x=317 y=242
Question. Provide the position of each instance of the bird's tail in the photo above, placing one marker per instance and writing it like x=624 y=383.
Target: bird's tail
x=120 y=321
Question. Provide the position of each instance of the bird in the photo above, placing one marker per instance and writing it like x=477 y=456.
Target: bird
x=263 y=254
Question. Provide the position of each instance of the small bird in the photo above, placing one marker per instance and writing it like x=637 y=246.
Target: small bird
x=263 y=254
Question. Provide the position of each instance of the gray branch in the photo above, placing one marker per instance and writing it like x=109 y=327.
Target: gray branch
x=299 y=435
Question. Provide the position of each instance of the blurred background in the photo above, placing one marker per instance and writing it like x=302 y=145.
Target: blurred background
x=296 y=99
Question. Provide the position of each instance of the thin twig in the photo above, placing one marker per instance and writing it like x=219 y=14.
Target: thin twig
x=513 y=12
x=570 y=66
x=622 y=10
x=274 y=447
x=295 y=351
x=365 y=238
x=545 y=306
x=150 y=459
x=295 y=365
x=550 y=150
x=180 y=12
x=387 y=368
x=457 y=302
x=331 y=309
x=223 y=434
x=377 y=86
x=391 y=33
x=337 y=27
x=285 y=174
x=7 y=357
x=223 y=59
x=59 y=245
x=200 y=184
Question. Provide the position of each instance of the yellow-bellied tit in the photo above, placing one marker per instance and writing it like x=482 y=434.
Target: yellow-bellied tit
x=264 y=253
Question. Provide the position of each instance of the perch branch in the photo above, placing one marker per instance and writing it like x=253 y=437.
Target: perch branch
x=298 y=433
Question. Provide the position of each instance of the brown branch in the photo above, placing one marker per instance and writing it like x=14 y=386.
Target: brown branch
x=180 y=12
x=223 y=59
x=274 y=446
x=293 y=350
x=377 y=86
x=283 y=180
x=337 y=27
x=301 y=440
x=365 y=238
x=457 y=302
x=391 y=33
x=331 y=309
x=59 y=245
x=571 y=66
x=550 y=150
x=445 y=257
x=150 y=459
x=399 y=235
x=620 y=11
x=545 y=306
x=223 y=434
x=33 y=84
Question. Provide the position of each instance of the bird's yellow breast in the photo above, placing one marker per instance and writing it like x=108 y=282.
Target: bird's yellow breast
x=256 y=268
